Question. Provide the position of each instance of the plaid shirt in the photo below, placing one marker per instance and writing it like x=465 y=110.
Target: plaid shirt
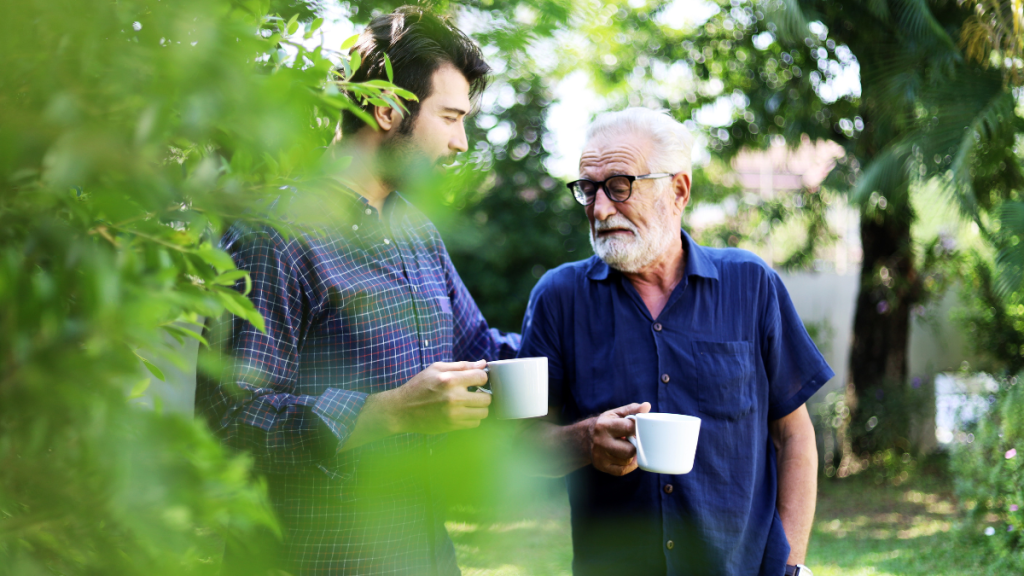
x=349 y=312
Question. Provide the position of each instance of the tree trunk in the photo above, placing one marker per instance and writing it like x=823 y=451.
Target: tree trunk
x=877 y=392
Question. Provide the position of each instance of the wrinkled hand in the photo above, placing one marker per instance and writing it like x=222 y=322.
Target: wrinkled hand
x=437 y=399
x=611 y=452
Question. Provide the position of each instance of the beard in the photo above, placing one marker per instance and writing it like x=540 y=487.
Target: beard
x=401 y=161
x=633 y=253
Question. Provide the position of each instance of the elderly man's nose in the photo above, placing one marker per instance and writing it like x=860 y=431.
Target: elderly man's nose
x=603 y=206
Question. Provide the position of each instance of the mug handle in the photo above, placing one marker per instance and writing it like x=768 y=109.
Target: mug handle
x=635 y=440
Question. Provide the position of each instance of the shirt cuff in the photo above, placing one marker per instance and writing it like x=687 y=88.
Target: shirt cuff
x=813 y=385
x=339 y=409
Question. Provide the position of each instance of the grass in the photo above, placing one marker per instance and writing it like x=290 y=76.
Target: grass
x=860 y=529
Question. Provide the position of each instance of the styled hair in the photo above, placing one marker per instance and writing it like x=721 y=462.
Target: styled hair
x=417 y=43
x=673 y=143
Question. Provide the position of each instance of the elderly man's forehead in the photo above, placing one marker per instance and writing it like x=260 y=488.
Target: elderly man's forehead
x=621 y=149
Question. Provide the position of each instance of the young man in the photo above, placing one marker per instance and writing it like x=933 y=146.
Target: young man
x=372 y=340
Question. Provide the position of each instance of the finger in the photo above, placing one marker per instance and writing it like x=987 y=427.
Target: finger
x=471 y=399
x=616 y=469
x=629 y=467
x=623 y=411
x=466 y=415
x=618 y=450
x=458 y=366
x=619 y=428
x=466 y=378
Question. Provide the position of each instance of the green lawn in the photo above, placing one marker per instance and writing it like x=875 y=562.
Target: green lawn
x=860 y=529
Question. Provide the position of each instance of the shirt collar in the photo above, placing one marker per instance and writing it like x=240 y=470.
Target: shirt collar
x=697 y=262
x=393 y=201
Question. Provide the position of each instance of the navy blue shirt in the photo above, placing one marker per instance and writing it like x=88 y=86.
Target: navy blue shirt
x=728 y=348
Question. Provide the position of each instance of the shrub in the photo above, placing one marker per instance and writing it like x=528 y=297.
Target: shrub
x=989 y=475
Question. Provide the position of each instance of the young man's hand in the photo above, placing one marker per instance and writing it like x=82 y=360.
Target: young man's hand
x=438 y=399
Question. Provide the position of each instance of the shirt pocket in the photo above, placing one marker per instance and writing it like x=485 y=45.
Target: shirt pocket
x=725 y=378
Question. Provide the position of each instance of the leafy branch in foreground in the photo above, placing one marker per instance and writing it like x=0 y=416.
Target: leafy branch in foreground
x=131 y=135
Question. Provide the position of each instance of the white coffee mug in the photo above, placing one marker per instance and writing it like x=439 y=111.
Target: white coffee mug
x=665 y=443
x=519 y=386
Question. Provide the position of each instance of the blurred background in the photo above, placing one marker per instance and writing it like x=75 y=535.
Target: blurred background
x=870 y=151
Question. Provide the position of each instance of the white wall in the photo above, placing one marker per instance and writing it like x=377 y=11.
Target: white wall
x=936 y=343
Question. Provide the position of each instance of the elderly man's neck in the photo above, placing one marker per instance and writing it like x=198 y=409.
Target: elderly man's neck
x=656 y=282
x=362 y=173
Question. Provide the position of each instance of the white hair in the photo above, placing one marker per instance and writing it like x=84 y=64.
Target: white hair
x=673 y=143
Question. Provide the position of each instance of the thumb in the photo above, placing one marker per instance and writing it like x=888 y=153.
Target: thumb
x=634 y=408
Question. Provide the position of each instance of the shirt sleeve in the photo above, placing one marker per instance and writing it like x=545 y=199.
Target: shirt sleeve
x=795 y=367
x=473 y=339
x=254 y=404
x=542 y=336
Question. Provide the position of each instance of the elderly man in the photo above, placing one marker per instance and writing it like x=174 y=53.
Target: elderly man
x=655 y=322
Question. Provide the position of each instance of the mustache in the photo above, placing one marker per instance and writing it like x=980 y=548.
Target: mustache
x=616 y=221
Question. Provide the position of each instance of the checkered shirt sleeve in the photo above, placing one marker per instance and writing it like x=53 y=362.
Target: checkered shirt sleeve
x=265 y=412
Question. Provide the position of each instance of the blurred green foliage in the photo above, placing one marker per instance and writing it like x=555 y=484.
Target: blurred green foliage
x=131 y=134
x=989 y=476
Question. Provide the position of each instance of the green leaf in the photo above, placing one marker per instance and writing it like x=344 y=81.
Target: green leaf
x=355 y=61
x=216 y=257
x=342 y=102
x=230 y=277
x=387 y=66
x=139 y=389
x=379 y=84
x=153 y=370
x=293 y=25
x=179 y=331
x=402 y=93
x=317 y=23
x=349 y=42
x=241 y=306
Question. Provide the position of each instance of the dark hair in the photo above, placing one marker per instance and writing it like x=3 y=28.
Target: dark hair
x=417 y=43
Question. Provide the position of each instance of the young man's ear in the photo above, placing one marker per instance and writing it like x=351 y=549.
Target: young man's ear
x=386 y=117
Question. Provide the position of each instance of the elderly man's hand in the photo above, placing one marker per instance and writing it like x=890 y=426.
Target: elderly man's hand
x=610 y=450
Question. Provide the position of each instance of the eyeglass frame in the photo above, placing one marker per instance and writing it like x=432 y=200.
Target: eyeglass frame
x=601 y=185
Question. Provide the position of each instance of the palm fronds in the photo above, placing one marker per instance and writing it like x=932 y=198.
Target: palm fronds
x=994 y=35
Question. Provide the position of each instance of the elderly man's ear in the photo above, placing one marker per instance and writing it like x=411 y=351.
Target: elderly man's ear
x=681 y=186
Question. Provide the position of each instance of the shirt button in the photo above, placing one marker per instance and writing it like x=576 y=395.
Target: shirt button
x=668 y=488
x=657 y=326
x=665 y=378
x=386 y=241
x=368 y=211
x=355 y=227
x=670 y=544
x=426 y=343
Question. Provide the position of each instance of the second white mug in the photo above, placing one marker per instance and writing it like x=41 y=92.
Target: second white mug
x=665 y=443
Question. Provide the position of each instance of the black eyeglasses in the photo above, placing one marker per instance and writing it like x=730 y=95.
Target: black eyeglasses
x=618 y=188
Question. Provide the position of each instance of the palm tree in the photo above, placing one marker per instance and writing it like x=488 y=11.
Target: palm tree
x=928 y=111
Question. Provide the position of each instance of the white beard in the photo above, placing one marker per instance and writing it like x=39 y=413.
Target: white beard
x=632 y=254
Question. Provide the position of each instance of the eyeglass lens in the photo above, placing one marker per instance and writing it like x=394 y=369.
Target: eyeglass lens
x=617 y=188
